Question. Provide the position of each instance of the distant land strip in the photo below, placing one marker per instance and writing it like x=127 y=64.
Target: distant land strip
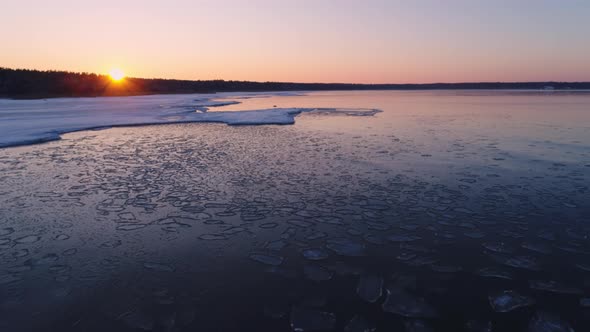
x=35 y=84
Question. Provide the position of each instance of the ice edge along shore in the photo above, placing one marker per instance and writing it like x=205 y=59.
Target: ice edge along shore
x=25 y=122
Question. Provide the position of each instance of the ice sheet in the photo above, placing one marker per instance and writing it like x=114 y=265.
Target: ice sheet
x=33 y=121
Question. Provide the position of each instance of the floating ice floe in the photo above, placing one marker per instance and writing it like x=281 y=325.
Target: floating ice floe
x=369 y=287
x=268 y=225
x=20 y=253
x=422 y=261
x=548 y=322
x=28 y=239
x=45 y=259
x=374 y=239
x=521 y=262
x=315 y=254
x=573 y=247
x=537 y=247
x=316 y=235
x=346 y=247
x=62 y=237
x=494 y=272
x=509 y=300
x=406 y=256
x=267 y=259
x=377 y=226
x=333 y=220
x=130 y=227
x=498 y=247
x=554 y=287
x=276 y=245
x=6 y=231
x=212 y=237
x=354 y=232
x=70 y=252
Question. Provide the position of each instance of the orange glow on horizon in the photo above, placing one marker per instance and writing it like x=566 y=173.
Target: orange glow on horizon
x=116 y=74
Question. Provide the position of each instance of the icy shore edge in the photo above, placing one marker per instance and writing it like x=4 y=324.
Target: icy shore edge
x=39 y=121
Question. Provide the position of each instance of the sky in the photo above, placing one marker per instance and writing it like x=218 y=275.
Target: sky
x=362 y=41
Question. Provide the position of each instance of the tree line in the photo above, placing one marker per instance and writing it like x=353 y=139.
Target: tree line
x=25 y=83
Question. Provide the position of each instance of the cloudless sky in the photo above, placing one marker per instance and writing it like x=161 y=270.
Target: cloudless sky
x=366 y=41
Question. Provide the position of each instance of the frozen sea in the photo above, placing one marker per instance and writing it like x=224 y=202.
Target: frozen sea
x=311 y=211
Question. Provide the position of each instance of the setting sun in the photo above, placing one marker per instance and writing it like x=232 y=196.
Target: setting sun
x=116 y=74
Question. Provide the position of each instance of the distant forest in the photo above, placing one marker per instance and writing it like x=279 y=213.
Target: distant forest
x=23 y=83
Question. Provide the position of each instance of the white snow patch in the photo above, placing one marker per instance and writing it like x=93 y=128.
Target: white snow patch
x=32 y=121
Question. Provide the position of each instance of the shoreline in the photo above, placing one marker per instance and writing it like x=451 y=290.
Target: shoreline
x=42 y=97
x=532 y=90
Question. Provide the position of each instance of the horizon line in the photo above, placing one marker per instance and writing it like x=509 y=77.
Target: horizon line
x=294 y=82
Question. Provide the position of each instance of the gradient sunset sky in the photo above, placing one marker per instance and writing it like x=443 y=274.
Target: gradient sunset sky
x=371 y=41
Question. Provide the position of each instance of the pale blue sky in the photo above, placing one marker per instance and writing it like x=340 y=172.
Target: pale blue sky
x=322 y=40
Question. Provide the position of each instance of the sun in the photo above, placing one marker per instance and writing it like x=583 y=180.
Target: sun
x=116 y=74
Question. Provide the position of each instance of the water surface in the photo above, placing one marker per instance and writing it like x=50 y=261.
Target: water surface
x=449 y=210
